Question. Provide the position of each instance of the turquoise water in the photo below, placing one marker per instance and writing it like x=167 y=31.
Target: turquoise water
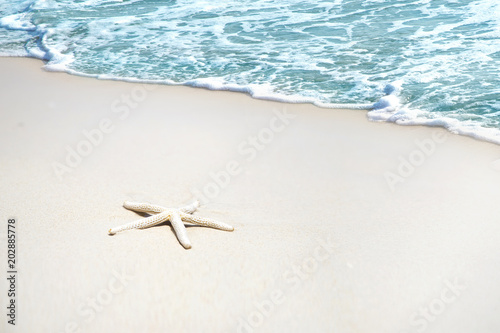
x=421 y=62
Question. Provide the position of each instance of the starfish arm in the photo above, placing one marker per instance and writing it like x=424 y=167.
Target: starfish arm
x=143 y=207
x=142 y=223
x=180 y=230
x=206 y=222
x=190 y=209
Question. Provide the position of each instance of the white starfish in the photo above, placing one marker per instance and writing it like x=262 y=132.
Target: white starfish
x=176 y=216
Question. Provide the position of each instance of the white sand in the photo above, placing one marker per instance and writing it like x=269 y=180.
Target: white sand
x=322 y=243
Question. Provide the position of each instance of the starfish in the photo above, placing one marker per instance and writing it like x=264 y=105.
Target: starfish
x=176 y=216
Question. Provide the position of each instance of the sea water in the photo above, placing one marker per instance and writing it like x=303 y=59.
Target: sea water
x=412 y=62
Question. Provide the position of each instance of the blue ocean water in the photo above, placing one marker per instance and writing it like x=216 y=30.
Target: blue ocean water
x=427 y=62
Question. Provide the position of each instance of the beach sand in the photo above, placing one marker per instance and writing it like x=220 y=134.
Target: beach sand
x=341 y=224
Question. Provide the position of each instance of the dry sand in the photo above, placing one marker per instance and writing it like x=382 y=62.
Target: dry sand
x=322 y=243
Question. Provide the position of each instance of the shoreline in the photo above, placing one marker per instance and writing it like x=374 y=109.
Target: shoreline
x=383 y=113
x=347 y=224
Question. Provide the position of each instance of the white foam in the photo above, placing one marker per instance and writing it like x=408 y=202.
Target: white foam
x=390 y=102
x=17 y=22
x=265 y=92
x=409 y=117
